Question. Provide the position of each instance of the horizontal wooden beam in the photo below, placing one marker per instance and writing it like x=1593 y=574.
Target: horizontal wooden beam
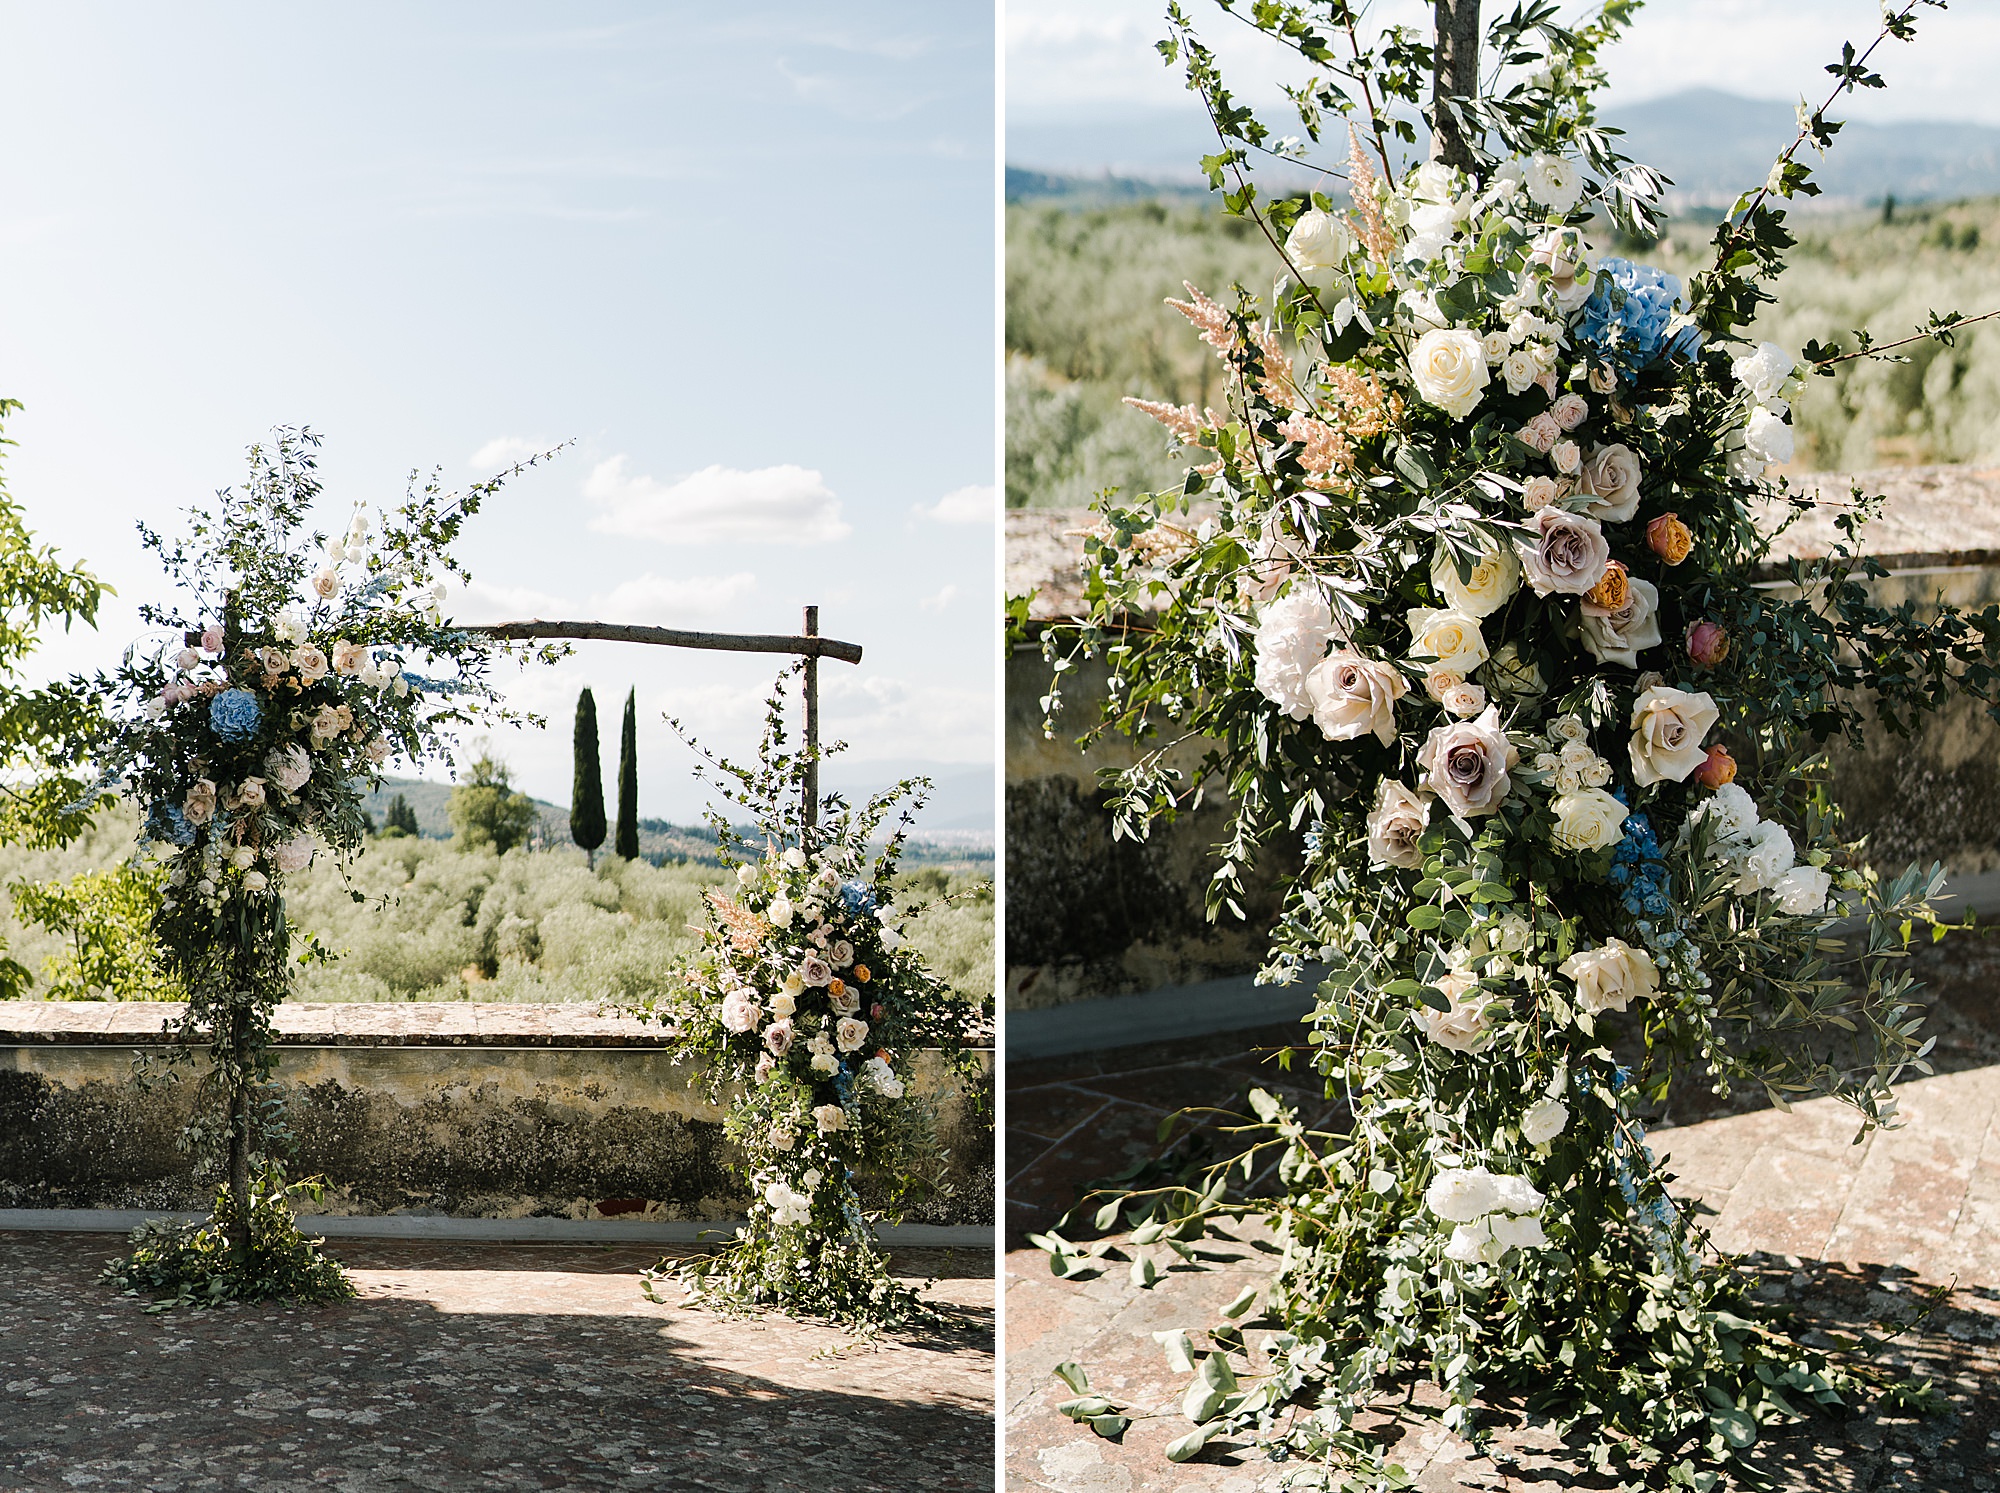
x=673 y=637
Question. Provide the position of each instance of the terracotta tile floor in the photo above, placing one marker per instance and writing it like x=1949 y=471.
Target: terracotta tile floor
x=478 y=1367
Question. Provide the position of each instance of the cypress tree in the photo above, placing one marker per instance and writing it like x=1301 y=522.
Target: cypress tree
x=627 y=843
x=586 y=802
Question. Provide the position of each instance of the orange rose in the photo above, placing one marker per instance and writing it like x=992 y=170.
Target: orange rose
x=1720 y=768
x=860 y=973
x=1669 y=538
x=1614 y=591
x=836 y=987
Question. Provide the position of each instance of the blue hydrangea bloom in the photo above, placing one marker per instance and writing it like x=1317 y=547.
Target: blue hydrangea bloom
x=235 y=714
x=1627 y=327
x=165 y=821
x=1638 y=869
x=859 y=900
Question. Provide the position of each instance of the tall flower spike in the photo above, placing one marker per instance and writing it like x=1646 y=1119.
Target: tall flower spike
x=1361 y=188
x=1209 y=318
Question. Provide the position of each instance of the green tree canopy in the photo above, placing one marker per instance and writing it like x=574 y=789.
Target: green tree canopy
x=586 y=802
x=486 y=810
x=399 y=818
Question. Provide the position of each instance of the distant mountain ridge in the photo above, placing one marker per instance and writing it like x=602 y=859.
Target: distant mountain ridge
x=1714 y=145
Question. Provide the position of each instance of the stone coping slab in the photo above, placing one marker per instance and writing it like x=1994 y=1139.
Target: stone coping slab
x=340 y=1024
x=482 y=1230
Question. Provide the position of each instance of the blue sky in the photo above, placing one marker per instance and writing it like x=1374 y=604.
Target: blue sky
x=1083 y=79
x=742 y=255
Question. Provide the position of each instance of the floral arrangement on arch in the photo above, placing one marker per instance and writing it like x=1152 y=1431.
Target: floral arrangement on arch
x=812 y=1010
x=1460 y=586
x=294 y=666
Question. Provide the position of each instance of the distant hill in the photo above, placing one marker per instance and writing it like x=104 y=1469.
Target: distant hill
x=657 y=838
x=1712 y=144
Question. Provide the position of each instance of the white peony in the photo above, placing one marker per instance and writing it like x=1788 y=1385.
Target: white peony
x=1619 y=637
x=1801 y=891
x=1446 y=640
x=1732 y=812
x=740 y=1011
x=1495 y=578
x=1764 y=371
x=1353 y=695
x=1588 y=819
x=1608 y=978
x=1449 y=370
x=1768 y=857
x=1668 y=725
x=1319 y=240
x=294 y=854
x=1395 y=825
x=1545 y=1120
x=1554 y=182
x=1292 y=635
x=1768 y=438
x=289 y=767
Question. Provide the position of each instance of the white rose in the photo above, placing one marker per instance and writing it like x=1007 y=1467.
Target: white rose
x=1463 y=1028
x=1292 y=634
x=1449 y=369
x=1801 y=891
x=1432 y=226
x=254 y=881
x=794 y=857
x=1430 y=182
x=1544 y=1121
x=784 y=1003
x=1518 y=370
x=1446 y=641
x=1461 y=1194
x=1353 y=695
x=1764 y=371
x=1554 y=182
x=850 y=1033
x=780 y=912
x=1588 y=819
x=1395 y=825
x=1620 y=637
x=1495 y=578
x=243 y=857
x=1667 y=729
x=326 y=583
x=1608 y=978
x=1463 y=700
x=1466 y=764
x=825 y=1064
x=1319 y=241
x=1768 y=438
x=1767 y=858
x=829 y=1118
x=1496 y=345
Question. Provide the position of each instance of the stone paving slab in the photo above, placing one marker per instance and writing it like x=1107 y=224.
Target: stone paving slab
x=479 y=1367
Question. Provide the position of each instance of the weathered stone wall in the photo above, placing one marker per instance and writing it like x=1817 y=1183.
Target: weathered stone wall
x=1087 y=916
x=512 y=1118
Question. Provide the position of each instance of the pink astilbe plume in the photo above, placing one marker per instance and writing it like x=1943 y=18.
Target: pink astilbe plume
x=1361 y=185
x=1184 y=420
x=1211 y=320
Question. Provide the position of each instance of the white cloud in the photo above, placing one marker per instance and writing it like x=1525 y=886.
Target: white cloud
x=483 y=602
x=770 y=505
x=962 y=505
x=504 y=451
x=657 y=601
x=938 y=602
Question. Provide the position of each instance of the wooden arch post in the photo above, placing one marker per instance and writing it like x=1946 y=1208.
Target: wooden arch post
x=808 y=644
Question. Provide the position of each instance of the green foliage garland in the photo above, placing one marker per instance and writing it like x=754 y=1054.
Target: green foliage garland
x=1462 y=584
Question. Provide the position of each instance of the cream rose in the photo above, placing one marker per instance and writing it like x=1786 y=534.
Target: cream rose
x=1668 y=725
x=1463 y=1028
x=1494 y=578
x=1587 y=819
x=1395 y=825
x=1611 y=477
x=1566 y=553
x=1353 y=695
x=829 y=1118
x=349 y=658
x=1518 y=370
x=1466 y=764
x=1446 y=641
x=1449 y=369
x=850 y=1033
x=1538 y=492
x=1618 y=637
x=1608 y=978
x=1319 y=240
x=199 y=805
x=1544 y=1121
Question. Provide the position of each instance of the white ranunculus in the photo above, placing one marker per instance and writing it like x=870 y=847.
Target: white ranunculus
x=1554 y=182
x=1524 y=1232
x=1768 y=438
x=1292 y=634
x=1608 y=978
x=1801 y=891
x=1588 y=819
x=1767 y=858
x=1668 y=725
x=1395 y=825
x=1465 y=1027
x=1353 y=695
x=1620 y=637
x=1495 y=578
x=1460 y=1194
x=1446 y=640
x=1764 y=371
x=1449 y=370
x=1544 y=1121
x=1319 y=240
x=1732 y=812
